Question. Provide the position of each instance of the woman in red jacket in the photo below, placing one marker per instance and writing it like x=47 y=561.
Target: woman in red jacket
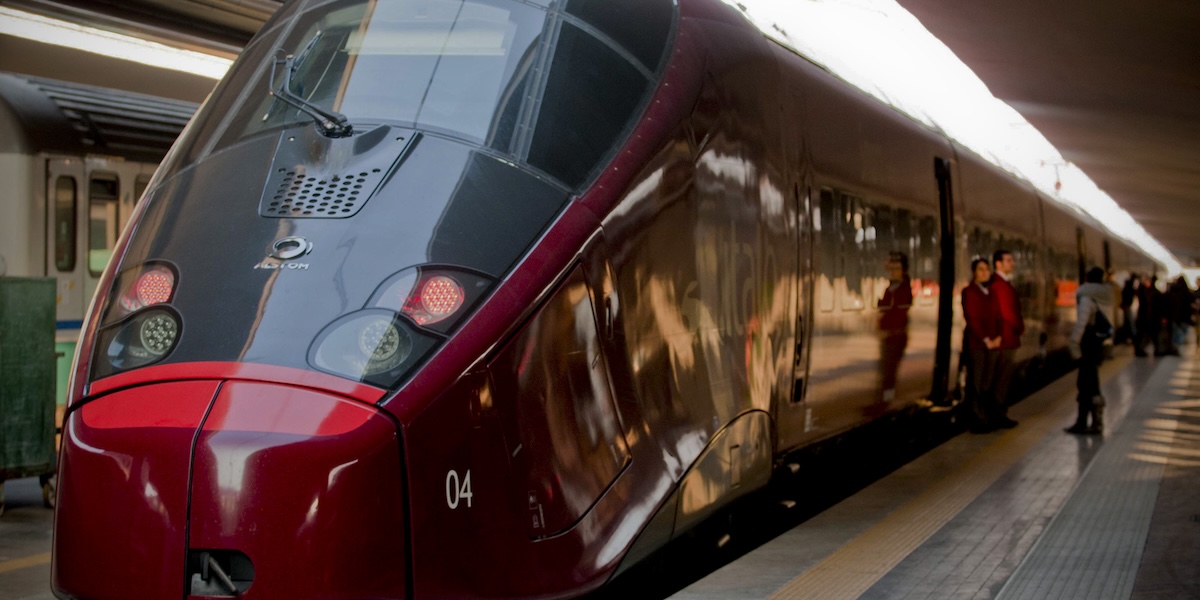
x=982 y=314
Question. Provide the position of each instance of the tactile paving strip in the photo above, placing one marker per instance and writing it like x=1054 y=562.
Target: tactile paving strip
x=1093 y=548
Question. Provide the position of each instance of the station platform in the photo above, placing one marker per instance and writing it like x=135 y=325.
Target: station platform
x=1030 y=512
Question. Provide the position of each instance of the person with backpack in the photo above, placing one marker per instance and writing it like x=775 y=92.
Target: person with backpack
x=1093 y=329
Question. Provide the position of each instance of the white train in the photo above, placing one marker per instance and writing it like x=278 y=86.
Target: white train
x=74 y=160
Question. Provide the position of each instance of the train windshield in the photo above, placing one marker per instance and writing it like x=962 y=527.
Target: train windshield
x=439 y=65
x=553 y=89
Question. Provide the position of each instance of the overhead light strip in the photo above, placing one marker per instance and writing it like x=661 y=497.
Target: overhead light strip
x=882 y=49
x=37 y=28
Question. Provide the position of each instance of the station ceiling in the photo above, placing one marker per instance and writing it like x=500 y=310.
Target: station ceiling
x=1113 y=84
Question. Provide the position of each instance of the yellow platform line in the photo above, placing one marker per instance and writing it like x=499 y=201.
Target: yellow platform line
x=17 y=564
x=855 y=567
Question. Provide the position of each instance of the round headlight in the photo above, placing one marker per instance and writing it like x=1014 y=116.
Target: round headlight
x=363 y=345
x=138 y=341
x=158 y=333
x=380 y=341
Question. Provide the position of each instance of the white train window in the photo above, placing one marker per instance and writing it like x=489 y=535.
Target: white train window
x=65 y=202
x=139 y=187
x=103 y=226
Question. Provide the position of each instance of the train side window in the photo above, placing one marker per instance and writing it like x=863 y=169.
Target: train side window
x=927 y=265
x=139 y=187
x=103 y=226
x=65 y=222
x=883 y=234
x=854 y=251
x=590 y=96
x=644 y=37
x=829 y=265
x=1026 y=276
x=884 y=226
x=904 y=238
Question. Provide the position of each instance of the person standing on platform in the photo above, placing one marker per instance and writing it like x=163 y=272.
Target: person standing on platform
x=1179 y=298
x=982 y=345
x=1093 y=329
x=1128 y=331
x=1147 y=321
x=1162 y=318
x=1196 y=313
x=1012 y=327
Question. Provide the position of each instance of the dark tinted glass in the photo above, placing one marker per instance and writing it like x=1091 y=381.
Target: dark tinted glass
x=103 y=226
x=441 y=65
x=64 y=223
x=640 y=26
x=497 y=210
x=501 y=74
x=591 y=96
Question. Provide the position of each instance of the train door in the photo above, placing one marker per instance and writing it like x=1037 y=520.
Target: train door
x=64 y=254
x=794 y=418
x=946 y=247
x=134 y=179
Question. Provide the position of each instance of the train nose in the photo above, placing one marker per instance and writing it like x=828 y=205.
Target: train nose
x=230 y=488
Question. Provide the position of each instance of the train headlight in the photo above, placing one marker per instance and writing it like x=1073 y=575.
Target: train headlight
x=158 y=333
x=143 y=339
x=380 y=342
x=373 y=346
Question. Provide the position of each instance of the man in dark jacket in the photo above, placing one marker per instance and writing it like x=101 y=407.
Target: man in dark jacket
x=1196 y=312
x=1012 y=326
x=1179 y=299
x=1128 y=331
x=1147 y=320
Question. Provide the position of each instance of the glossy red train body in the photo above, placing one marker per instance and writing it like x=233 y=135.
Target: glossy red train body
x=506 y=332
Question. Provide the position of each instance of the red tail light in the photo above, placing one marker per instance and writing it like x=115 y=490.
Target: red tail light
x=155 y=285
x=434 y=299
x=82 y=362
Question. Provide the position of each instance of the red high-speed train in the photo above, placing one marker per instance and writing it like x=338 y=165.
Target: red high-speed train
x=492 y=298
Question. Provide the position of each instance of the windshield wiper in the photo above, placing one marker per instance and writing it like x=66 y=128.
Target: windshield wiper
x=331 y=123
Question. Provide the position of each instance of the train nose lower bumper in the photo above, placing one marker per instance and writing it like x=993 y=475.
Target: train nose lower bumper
x=217 y=489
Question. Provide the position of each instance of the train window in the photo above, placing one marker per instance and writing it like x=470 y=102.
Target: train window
x=644 y=37
x=927 y=263
x=103 y=226
x=443 y=65
x=65 y=204
x=854 y=252
x=829 y=243
x=885 y=234
x=590 y=96
x=139 y=187
x=551 y=89
x=905 y=240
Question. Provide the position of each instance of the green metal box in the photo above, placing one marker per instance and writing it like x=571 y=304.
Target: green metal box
x=27 y=377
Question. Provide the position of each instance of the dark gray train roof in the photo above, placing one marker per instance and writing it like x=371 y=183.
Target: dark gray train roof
x=57 y=116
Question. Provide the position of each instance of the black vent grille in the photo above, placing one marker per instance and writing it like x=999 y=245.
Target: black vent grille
x=318 y=177
x=298 y=194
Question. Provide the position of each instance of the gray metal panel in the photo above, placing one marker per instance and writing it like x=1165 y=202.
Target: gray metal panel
x=66 y=117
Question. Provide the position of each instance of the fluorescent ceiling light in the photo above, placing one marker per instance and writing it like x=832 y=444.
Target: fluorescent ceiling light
x=880 y=48
x=60 y=33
